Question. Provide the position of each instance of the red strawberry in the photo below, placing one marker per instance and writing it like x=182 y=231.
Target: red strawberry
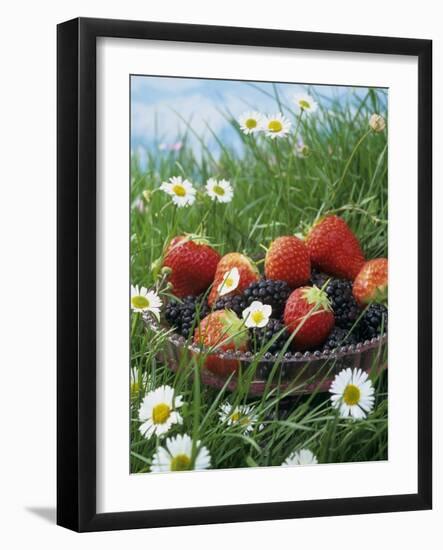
x=334 y=248
x=226 y=331
x=371 y=284
x=309 y=317
x=288 y=260
x=193 y=263
x=239 y=267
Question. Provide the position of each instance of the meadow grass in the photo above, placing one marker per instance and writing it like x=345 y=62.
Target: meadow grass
x=276 y=193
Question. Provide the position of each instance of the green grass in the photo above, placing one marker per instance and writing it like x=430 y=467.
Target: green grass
x=275 y=193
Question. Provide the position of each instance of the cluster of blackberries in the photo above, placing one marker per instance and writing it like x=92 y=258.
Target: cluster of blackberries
x=270 y=292
x=185 y=314
x=373 y=322
x=274 y=335
x=236 y=303
x=342 y=301
x=340 y=337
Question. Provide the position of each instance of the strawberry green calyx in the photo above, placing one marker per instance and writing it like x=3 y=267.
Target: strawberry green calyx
x=380 y=295
x=234 y=329
x=197 y=239
x=317 y=297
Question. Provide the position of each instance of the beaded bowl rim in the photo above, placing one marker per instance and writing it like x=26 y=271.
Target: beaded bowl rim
x=294 y=357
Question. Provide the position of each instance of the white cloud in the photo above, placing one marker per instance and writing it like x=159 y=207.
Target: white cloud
x=171 y=115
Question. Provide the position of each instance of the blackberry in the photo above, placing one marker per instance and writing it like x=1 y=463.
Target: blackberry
x=318 y=278
x=339 y=337
x=260 y=337
x=236 y=303
x=373 y=321
x=182 y=314
x=269 y=291
x=343 y=303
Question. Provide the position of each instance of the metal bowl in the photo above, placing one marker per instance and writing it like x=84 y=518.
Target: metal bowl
x=294 y=373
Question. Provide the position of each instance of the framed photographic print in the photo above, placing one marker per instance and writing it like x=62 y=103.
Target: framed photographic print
x=232 y=204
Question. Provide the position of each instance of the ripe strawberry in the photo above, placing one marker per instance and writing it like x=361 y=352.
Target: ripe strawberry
x=239 y=265
x=226 y=331
x=334 y=248
x=309 y=317
x=371 y=284
x=288 y=260
x=193 y=263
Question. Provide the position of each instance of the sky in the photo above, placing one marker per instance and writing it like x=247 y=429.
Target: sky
x=161 y=107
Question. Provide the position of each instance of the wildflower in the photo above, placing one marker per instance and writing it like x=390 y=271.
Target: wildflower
x=143 y=300
x=250 y=122
x=302 y=150
x=230 y=282
x=300 y=458
x=242 y=415
x=220 y=191
x=181 y=191
x=276 y=126
x=138 y=383
x=352 y=393
x=158 y=412
x=177 y=456
x=377 y=123
x=257 y=315
x=305 y=103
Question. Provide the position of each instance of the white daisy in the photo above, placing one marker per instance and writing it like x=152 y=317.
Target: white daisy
x=250 y=122
x=276 y=126
x=241 y=415
x=158 y=412
x=143 y=299
x=230 y=282
x=220 y=191
x=377 y=123
x=138 y=383
x=353 y=393
x=300 y=458
x=181 y=191
x=301 y=149
x=305 y=103
x=177 y=456
x=257 y=315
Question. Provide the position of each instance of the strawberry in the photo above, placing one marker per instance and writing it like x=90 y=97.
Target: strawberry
x=309 y=317
x=233 y=270
x=192 y=263
x=288 y=260
x=226 y=331
x=334 y=248
x=371 y=283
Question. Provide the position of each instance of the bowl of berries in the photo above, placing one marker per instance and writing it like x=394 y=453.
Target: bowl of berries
x=319 y=307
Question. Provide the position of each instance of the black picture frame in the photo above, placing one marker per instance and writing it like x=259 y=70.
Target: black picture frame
x=76 y=265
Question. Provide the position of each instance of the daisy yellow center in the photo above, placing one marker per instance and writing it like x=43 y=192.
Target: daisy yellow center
x=351 y=395
x=275 y=126
x=304 y=104
x=179 y=190
x=229 y=282
x=251 y=123
x=140 y=302
x=161 y=413
x=257 y=317
x=180 y=463
x=238 y=417
x=218 y=190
